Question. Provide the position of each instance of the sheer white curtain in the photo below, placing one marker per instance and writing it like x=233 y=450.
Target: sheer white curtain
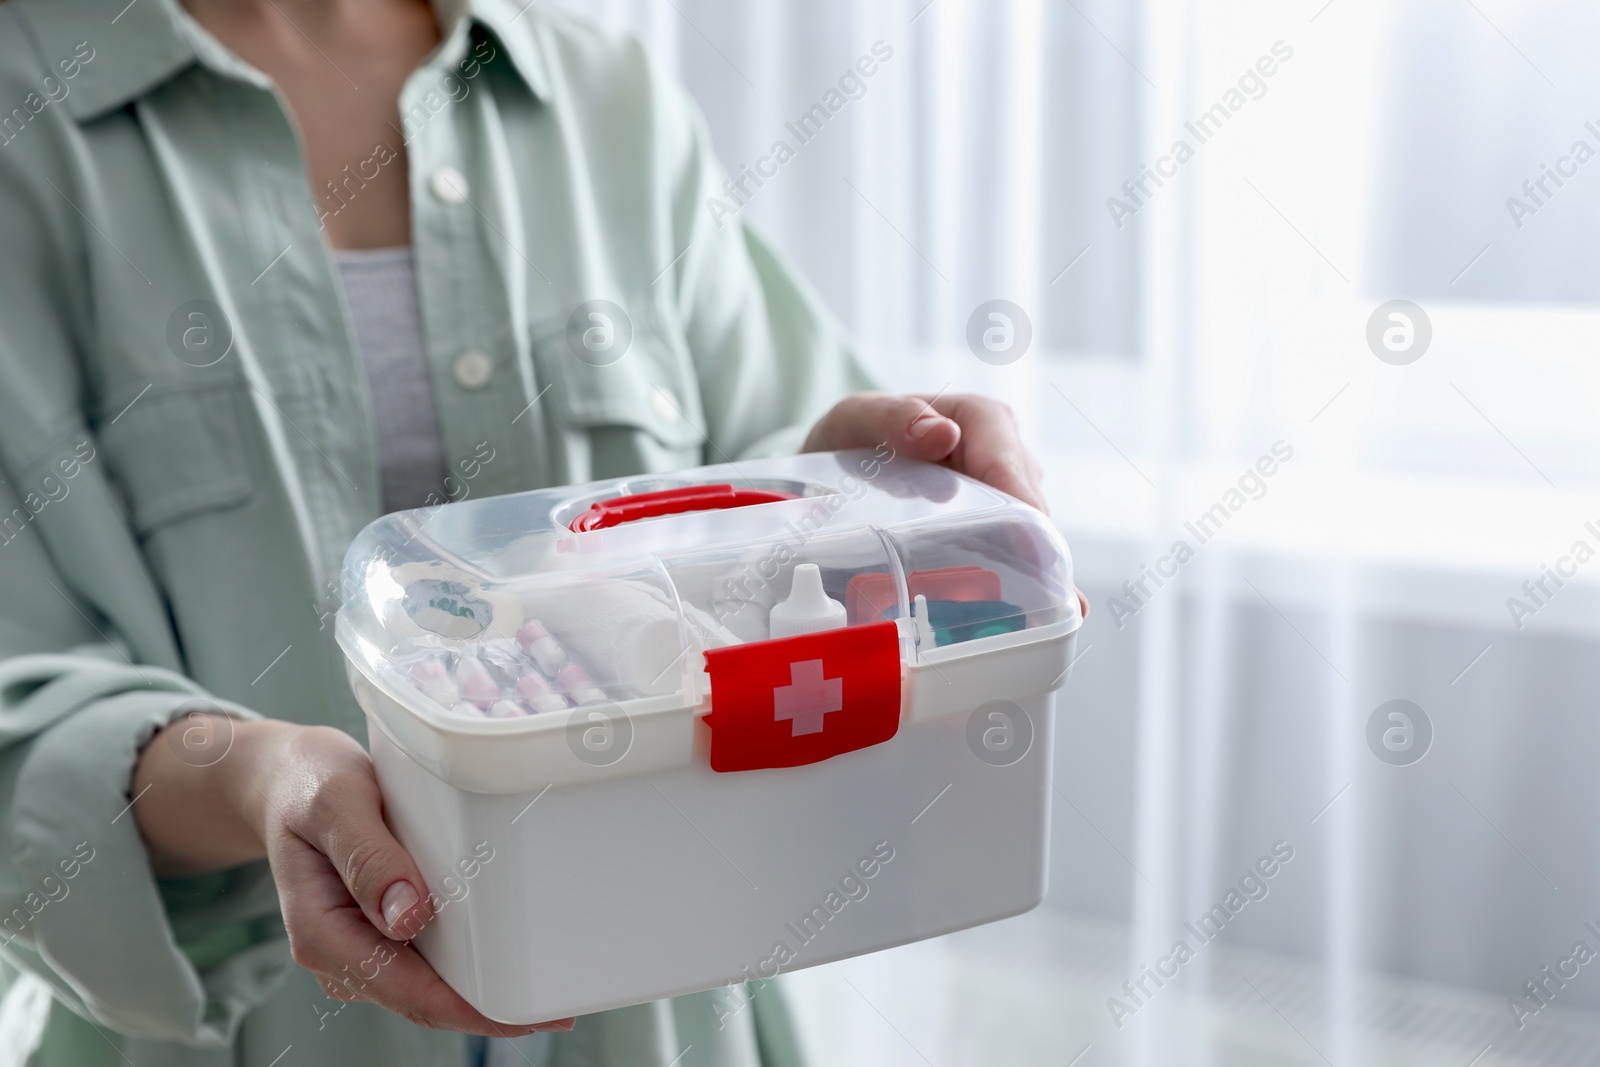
x=1375 y=163
x=960 y=173
x=1215 y=320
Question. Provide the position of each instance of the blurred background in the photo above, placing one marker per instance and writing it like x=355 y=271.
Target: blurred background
x=1420 y=542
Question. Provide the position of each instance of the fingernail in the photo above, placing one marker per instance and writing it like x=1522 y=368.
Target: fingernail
x=921 y=425
x=398 y=899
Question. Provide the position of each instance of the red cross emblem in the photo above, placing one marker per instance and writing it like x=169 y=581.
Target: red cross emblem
x=799 y=700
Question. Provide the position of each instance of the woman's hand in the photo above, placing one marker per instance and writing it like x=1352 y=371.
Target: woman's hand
x=972 y=434
x=305 y=797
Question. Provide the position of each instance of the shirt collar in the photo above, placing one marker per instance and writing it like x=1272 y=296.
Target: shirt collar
x=136 y=48
x=140 y=46
x=523 y=43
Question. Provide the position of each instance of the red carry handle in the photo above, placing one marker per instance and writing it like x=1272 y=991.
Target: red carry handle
x=620 y=509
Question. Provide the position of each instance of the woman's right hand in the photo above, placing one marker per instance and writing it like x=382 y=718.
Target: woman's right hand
x=306 y=798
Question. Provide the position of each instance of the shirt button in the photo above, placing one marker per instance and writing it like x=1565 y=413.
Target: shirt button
x=472 y=369
x=449 y=185
x=665 y=403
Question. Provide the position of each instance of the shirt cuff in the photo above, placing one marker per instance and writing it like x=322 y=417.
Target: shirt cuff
x=181 y=961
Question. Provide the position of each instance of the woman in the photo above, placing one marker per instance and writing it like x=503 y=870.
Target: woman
x=271 y=267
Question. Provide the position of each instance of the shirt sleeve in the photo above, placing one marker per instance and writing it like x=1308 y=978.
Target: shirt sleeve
x=79 y=906
x=771 y=358
x=89 y=671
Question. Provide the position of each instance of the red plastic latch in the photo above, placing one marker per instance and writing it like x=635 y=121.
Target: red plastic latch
x=620 y=509
x=800 y=700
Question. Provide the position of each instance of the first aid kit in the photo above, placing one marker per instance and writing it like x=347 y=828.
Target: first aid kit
x=656 y=735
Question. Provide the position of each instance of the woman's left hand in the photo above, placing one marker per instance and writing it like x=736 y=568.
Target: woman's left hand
x=972 y=434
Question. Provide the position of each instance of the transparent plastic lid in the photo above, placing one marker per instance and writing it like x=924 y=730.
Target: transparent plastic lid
x=515 y=606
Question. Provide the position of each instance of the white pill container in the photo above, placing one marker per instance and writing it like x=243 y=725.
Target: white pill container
x=622 y=787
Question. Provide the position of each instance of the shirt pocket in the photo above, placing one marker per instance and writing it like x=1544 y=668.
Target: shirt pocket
x=178 y=451
x=640 y=412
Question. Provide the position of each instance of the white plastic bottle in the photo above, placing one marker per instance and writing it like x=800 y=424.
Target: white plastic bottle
x=809 y=609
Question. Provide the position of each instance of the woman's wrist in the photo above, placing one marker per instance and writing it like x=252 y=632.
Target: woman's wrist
x=200 y=789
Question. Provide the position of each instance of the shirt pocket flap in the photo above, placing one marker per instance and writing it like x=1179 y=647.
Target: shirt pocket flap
x=650 y=386
x=178 y=452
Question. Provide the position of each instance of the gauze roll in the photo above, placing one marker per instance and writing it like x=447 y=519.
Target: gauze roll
x=625 y=633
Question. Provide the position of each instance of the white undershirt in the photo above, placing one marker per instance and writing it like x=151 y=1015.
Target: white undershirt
x=380 y=289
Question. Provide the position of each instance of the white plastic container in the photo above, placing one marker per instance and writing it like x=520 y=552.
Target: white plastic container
x=613 y=848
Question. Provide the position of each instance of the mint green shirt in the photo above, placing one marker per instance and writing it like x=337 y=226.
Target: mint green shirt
x=186 y=450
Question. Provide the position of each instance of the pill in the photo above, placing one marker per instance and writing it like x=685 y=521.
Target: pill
x=466 y=711
x=576 y=683
x=477 y=685
x=534 y=691
x=537 y=643
x=432 y=677
x=571 y=676
x=507 y=709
